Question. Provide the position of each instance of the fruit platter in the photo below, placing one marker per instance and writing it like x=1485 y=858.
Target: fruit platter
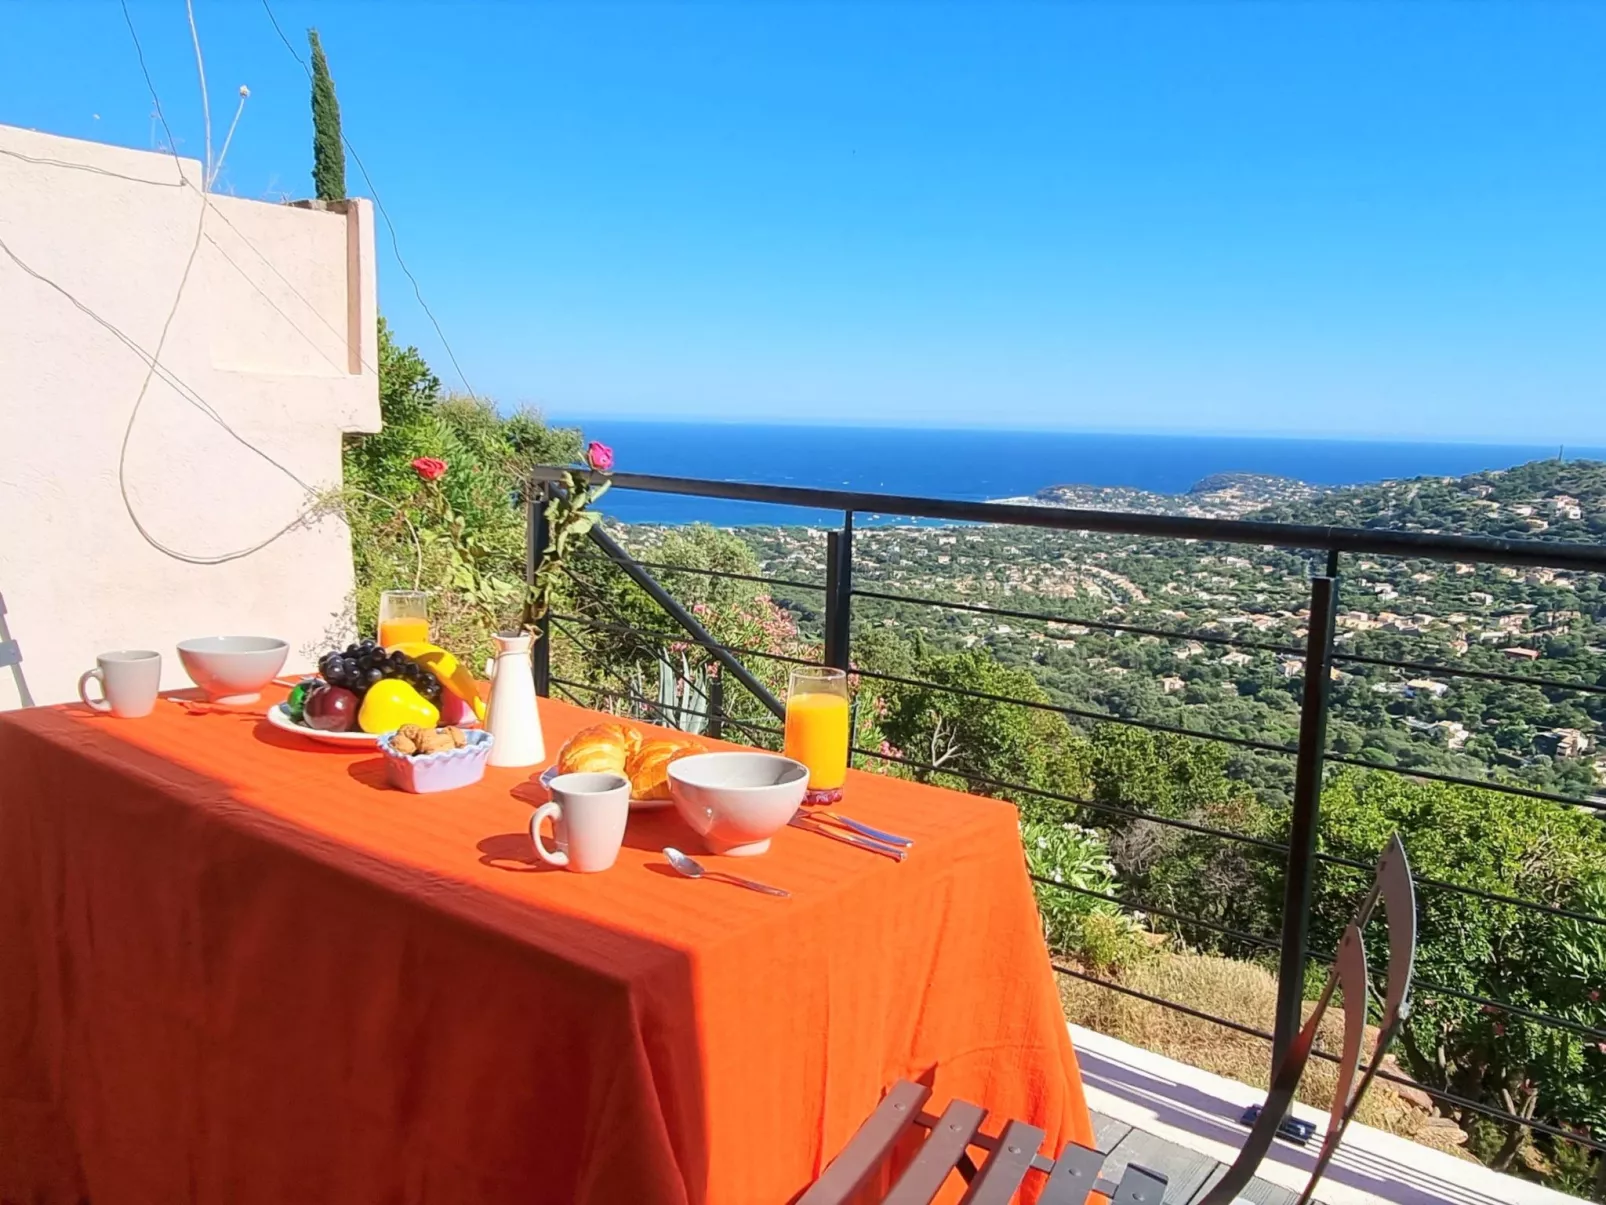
x=363 y=691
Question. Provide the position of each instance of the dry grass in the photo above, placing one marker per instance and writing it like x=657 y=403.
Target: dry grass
x=1239 y=992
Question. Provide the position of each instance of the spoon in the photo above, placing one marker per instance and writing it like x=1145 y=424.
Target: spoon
x=693 y=869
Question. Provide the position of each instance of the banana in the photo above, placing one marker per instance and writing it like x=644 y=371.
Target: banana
x=451 y=673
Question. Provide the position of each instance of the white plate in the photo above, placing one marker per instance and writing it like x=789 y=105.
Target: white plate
x=636 y=805
x=279 y=717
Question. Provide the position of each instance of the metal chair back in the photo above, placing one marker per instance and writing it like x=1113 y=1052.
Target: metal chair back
x=1392 y=887
x=11 y=657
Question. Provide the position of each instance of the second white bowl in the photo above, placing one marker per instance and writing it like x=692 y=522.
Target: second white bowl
x=737 y=801
x=233 y=669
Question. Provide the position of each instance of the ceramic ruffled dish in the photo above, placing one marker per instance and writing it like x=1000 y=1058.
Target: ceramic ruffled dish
x=426 y=773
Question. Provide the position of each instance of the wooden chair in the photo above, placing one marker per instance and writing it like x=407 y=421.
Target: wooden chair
x=1013 y=1153
x=1010 y=1156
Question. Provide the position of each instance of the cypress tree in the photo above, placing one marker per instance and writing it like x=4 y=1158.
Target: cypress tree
x=328 y=152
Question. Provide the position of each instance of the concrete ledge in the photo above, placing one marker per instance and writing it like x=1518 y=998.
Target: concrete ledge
x=1198 y=1110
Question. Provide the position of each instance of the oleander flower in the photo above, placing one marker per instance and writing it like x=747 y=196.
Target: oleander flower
x=599 y=456
x=429 y=468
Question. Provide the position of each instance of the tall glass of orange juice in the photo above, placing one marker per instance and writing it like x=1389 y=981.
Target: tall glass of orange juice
x=818 y=728
x=403 y=617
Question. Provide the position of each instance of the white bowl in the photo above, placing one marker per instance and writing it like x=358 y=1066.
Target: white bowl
x=233 y=669
x=737 y=801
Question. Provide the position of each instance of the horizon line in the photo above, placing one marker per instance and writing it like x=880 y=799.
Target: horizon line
x=575 y=420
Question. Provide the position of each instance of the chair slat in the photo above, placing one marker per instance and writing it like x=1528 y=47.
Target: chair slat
x=1139 y=1186
x=870 y=1144
x=1075 y=1172
x=938 y=1154
x=1006 y=1167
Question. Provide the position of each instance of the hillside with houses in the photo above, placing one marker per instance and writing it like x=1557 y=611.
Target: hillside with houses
x=1543 y=623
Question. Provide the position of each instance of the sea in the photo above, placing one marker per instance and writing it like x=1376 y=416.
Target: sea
x=984 y=465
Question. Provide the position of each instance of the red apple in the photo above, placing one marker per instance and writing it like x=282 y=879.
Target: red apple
x=330 y=709
x=455 y=710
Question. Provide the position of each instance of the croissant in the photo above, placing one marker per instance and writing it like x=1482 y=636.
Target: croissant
x=648 y=769
x=600 y=749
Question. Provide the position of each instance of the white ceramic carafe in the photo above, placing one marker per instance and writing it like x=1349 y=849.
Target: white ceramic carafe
x=512 y=718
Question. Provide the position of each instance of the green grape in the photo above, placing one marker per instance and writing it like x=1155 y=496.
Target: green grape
x=297 y=702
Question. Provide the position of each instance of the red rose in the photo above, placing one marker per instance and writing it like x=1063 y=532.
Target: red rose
x=429 y=468
x=599 y=456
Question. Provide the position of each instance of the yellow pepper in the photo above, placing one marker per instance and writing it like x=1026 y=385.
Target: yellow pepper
x=390 y=703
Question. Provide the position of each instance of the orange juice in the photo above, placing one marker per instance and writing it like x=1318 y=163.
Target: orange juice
x=817 y=735
x=402 y=630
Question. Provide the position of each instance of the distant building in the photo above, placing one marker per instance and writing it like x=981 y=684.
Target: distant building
x=1563 y=742
x=1427 y=686
x=1521 y=654
x=1171 y=684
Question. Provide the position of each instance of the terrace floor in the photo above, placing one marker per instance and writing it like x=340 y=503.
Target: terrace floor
x=1183 y=1122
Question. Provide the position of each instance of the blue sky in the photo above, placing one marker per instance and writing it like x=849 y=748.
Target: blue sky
x=1358 y=219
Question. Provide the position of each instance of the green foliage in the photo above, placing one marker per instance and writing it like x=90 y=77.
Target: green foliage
x=461 y=537
x=682 y=697
x=328 y=151
x=973 y=743
x=1197 y=875
x=1073 y=861
x=1508 y=846
x=635 y=635
x=1577 y=1170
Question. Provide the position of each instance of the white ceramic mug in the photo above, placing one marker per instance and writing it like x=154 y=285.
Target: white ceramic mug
x=588 y=813
x=129 y=680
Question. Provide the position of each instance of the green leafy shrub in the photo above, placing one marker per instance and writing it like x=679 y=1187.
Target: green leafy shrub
x=461 y=537
x=1074 y=861
x=1510 y=846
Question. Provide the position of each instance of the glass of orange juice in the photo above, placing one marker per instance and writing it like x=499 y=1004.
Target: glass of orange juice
x=403 y=617
x=817 y=728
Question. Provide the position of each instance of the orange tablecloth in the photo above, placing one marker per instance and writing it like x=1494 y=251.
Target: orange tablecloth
x=235 y=968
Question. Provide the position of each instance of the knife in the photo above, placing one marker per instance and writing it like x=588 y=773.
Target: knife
x=864 y=830
x=894 y=852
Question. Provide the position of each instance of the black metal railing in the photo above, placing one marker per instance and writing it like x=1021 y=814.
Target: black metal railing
x=1300 y=855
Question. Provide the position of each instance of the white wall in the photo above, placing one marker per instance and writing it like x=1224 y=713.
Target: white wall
x=275 y=330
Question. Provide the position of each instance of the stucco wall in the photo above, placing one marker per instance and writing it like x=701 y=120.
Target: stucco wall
x=275 y=332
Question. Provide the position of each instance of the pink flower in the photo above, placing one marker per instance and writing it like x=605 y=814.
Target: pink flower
x=599 y=456
x=429 y=468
